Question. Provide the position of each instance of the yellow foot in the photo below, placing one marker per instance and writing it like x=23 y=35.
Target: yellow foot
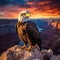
x=29 y=48
x=23 y=47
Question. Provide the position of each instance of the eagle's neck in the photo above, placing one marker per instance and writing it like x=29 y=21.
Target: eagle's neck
x=24 y=20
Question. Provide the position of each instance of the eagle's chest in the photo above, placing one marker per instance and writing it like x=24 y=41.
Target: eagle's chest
x=22 y=32
x=22 y=29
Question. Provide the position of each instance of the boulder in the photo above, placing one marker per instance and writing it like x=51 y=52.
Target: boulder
x=16 y=53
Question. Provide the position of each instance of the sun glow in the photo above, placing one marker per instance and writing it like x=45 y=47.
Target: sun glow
x=13 y=12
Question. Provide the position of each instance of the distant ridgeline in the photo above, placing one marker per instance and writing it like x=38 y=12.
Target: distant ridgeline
x=42 y=23
x=7 y=21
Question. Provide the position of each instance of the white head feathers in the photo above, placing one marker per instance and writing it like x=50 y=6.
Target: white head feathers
x=23 y=15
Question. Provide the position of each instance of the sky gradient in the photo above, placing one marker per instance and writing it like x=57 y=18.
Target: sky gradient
x=38 y=8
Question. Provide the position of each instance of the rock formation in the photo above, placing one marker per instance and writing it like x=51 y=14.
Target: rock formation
x=16 y=53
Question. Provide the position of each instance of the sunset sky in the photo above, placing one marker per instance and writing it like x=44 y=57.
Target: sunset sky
x=38 y=8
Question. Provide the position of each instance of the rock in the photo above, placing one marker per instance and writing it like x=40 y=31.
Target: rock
x=54 y=57
x=16 y=53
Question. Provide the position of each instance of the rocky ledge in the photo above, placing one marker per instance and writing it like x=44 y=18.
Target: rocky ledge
x=16 y=53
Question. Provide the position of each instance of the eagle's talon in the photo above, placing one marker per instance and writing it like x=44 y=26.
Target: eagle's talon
x=24 y=46
x=29 y=48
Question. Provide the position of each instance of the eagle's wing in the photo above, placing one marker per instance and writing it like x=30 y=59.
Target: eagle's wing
x=32 y=29
x=16 y=26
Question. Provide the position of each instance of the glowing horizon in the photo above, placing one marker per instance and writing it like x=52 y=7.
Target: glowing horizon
x=34 y=14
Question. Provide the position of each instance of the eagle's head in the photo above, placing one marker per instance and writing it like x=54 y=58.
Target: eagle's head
x=24 y=15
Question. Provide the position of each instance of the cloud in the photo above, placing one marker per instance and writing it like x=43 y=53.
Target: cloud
x=38 y=8
x=50 y=7
x=2 y=14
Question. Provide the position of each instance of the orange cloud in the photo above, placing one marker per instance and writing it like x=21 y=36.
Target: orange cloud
x=30 y=3
x=40 y=9
x=36 y=11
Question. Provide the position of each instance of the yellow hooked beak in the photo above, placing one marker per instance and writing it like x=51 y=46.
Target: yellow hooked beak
x=27 y=14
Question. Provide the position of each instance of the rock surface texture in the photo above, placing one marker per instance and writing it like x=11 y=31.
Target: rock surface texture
x=16 y=53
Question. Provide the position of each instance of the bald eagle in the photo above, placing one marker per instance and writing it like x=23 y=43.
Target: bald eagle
x=28 y=33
